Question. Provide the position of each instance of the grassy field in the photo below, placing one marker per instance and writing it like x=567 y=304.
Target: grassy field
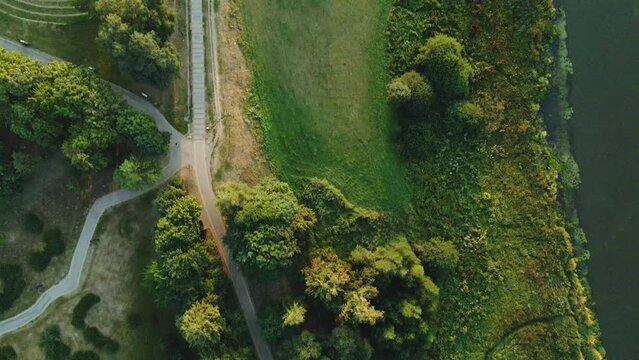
x=114 y=273
x=320 y=77
x=46 y=196
x=75 y=42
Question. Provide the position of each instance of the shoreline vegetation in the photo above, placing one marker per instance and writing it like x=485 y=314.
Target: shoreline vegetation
x=559 y=120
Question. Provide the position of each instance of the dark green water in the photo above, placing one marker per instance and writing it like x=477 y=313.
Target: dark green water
x=603 y=42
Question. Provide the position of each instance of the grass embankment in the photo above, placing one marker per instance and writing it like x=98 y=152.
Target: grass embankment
x=516 y=294
x=320 y=77
x=75 y=42
x=126 y=311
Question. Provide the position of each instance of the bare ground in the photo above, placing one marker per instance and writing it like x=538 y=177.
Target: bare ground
x=239 y=155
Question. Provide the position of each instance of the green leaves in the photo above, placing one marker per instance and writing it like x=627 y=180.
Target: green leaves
x=266 y=225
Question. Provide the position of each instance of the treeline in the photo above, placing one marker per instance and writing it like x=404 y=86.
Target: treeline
x=355 y=289
x=467 y=89
x=59 y=106
x=187 y=275
x=137 y=36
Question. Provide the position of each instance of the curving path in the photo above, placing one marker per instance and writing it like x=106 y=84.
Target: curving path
x=71 y=282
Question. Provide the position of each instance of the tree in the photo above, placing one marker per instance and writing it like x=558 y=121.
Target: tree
x=202 y=325
x=441 y=255
x=303 y=347
x=442 y=61
x=139 y=130
x=136 y=174
x=294 y=315
x=327 y=277
x=148 y=60
x=184 y=265
x=467 y=117
x=410 y=89
x=265 y=225
x=136 y=34
x=173 y=191
x=345 y=343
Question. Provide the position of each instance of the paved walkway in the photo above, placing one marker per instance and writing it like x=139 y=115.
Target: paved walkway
x=71 y=282
x=202 y=150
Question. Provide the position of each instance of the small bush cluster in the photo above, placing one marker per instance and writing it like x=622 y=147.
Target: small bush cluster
x=13 y=284
x=54 y=246
x=8 y=353
x=91 y=333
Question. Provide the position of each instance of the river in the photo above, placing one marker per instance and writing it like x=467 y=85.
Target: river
x=603 y=42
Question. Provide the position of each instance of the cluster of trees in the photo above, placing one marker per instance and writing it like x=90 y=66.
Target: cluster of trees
x=267 y=225
x=136 y=33
x=44 y=108
x=54 y=347
x=438 y=82
x=354 y=301
x=186 y=274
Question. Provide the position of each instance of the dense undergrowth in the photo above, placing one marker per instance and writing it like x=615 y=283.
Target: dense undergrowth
x=495 y=195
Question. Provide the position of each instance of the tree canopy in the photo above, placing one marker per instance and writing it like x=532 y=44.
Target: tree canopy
x=266 y=225
x=442 y=62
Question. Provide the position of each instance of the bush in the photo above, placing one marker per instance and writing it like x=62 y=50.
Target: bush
x=82 y=308
x=32 y=223
x=410 y=89
x=39 y=260
x=94 y=336
x=13 y=284
x=54 y=246
x=438 y=254
x=442 y=61
x=54 y=242
x=52 y=345
x=466 y=117
x=8 y=353
x=85 y=355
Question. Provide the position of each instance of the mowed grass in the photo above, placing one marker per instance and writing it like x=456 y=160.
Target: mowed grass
x=320 y=76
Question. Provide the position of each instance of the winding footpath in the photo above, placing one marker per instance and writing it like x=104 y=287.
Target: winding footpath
x=72 y=281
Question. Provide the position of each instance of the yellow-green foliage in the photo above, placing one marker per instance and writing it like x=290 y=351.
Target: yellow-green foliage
x=494 y=192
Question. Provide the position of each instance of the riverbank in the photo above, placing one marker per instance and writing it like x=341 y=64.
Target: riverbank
x=558 y=115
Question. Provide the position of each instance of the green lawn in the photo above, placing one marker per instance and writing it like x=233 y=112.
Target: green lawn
x=320 y=77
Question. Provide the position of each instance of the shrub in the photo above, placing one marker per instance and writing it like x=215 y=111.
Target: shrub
x=32 y=223
x=54 y=246
x=466 y=117
x=8 y=353
x=54 y=242
x=442 y=61
x=85 y=355
x=13 y=284
x=438 y=254
x=82 y=308
x=410 y=89
x=99 y=340
x=39 y=260
x=52 y=345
